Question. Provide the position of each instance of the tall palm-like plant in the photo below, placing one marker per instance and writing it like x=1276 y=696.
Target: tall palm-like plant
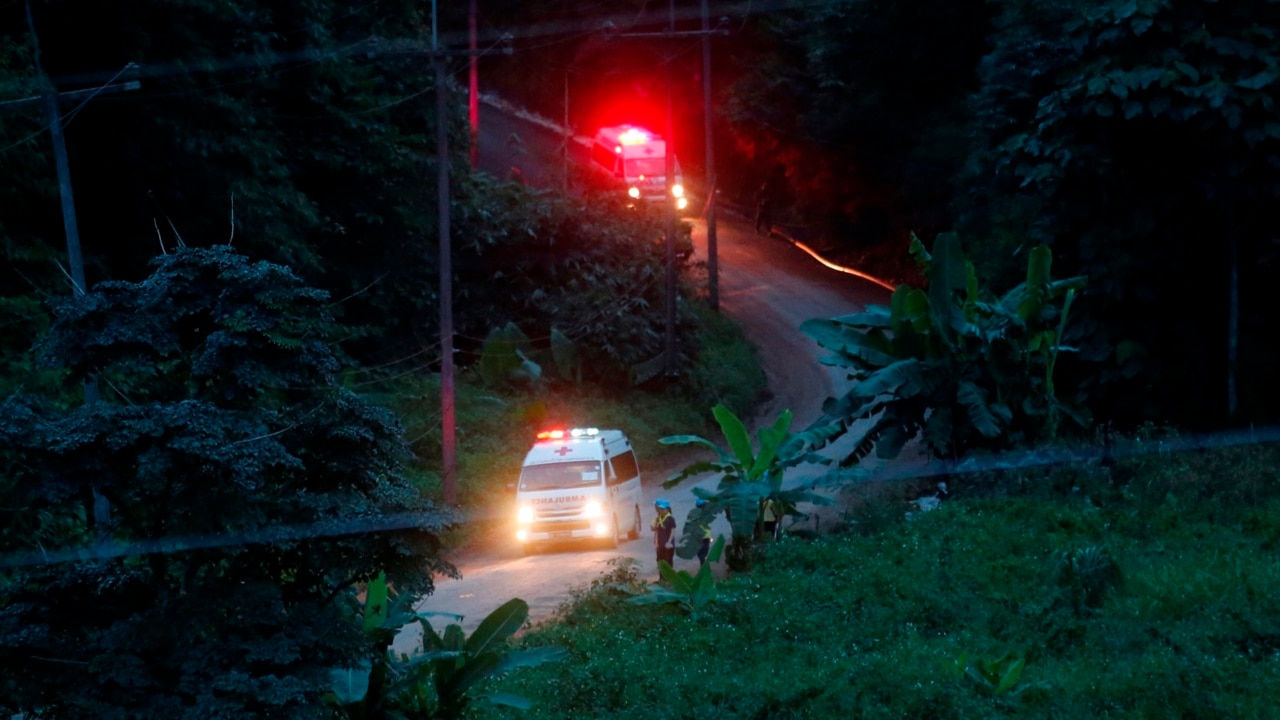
x=954 y=365
x=748 y=477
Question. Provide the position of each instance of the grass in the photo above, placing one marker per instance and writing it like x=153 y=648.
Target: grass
x=1144 y=589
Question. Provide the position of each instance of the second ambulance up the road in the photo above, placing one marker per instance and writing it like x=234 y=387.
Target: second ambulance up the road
x=634 y=160
x=578 y=485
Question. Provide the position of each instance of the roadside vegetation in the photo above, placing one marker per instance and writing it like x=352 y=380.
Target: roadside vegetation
x=1143 y=587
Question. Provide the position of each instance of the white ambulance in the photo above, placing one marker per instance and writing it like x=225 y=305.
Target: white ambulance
x=578 y=484
x=635 y=160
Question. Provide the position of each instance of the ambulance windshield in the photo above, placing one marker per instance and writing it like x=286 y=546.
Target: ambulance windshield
x=554 y=476
x=648 y=167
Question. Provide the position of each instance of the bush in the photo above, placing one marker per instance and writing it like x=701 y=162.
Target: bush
x=1111 y=615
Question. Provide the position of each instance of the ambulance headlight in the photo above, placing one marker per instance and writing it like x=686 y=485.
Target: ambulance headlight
x=524 y=514
x=633 y=192
x=602 y=529
x=592 y=510
x=677 y=191
x=522 y=535
x=682 y=203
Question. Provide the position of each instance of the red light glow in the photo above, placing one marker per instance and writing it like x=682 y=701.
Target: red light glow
x=633 y=136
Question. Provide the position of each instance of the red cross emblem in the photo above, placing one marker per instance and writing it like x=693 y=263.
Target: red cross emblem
x=563 y=450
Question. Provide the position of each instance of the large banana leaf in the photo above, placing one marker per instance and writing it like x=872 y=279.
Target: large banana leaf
x=911 y=316
x=938 y=430
x=698 y=468
x=735 y=433
x=742 y=501
x=681 y=583
x=946 y=276
x=453 y=686
x=351 y=685
x=821 y=433
x=981 y=414
x=704 y=586
x=529 y=657
x=893 y=437
x=498 y=626
x=872 y=316
x=802 y=495
x=375 y=603
x=696 y=440
x=850 y=346
x=656 y=595
x=771 y=438
x=904 y=378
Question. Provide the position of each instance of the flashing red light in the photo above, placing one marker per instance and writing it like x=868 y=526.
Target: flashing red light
x=633 y=136
x=551 y=434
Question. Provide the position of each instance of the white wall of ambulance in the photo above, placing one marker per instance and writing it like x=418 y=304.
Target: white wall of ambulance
x=579 y=485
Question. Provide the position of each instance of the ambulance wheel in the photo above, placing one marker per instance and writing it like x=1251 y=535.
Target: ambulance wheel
x=634 y=534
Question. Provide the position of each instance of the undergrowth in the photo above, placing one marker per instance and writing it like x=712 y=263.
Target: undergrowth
x=1144 y=588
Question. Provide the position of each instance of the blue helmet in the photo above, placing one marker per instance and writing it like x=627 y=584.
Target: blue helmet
x=699 y=503
x=661 y=503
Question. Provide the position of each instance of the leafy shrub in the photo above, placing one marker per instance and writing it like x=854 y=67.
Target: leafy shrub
x=1084 y=575
x=869 y=625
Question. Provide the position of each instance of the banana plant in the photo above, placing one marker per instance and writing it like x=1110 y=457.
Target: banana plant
x=954 y=365
x=438 y=681
x=504 y=358
x=692 y=592
x=748 y=476
x=996 y=677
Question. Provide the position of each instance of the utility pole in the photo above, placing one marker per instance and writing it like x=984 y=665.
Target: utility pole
x=568 y=134
x=669 y=363
x=448 y=435
x=713 y=281
x=101 y=505
x=448 y=430
x=473 y=99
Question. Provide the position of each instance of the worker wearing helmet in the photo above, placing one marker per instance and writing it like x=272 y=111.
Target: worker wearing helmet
x=704 y=547
x=664 y=531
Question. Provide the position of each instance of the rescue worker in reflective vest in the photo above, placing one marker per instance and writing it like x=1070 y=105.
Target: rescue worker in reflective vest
x=705 y=546
x=664 y=531
x=769 y=514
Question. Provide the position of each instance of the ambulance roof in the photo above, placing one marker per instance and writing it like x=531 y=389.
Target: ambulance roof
x=568 y=449
x=633 y=140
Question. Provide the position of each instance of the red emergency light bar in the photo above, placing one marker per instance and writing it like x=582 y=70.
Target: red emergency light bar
x=561 y=434
x=633 y=136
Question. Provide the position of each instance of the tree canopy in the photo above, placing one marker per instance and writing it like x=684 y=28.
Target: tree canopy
x=248 y=492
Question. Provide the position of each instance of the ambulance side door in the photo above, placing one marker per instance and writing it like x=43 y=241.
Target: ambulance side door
x=625 y=492
x=604 y=164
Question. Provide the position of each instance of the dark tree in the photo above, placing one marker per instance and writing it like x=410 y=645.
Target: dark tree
x=249 y=493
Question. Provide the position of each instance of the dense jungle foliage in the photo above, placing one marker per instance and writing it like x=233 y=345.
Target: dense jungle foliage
x=258 y=222
x=1138 y=138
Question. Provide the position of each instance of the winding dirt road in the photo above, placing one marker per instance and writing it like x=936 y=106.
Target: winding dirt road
x=770 y=287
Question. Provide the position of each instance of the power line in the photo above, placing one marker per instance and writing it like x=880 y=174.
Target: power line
x=376 y=47
x=409 y=521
